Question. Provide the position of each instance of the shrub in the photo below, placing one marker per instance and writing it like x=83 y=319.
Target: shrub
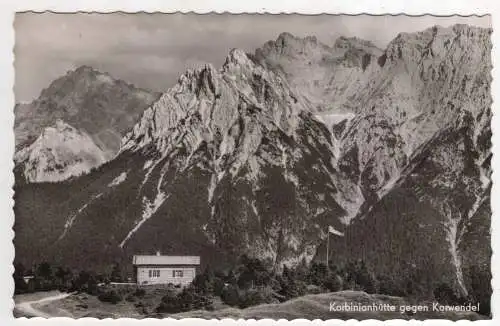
x=333 y=282
x=230 y=295
x=313 y=289
x=357 y=274
x=256 y=296
x=169 y=303
x=317 y=274
x=63 y=278
x=139 y=292
x=110 y=296
x=190 y=299
x=186 y=300
x=85 y=282
x=218 y=286
x=231 y=278
x=289 y=285
x=44 y=270
x=205 y=282
x=253 y=272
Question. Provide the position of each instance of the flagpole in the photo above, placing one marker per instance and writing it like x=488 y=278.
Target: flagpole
x=327 y=247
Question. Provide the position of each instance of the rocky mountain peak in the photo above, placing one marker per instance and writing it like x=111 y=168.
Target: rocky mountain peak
x=291 y=46
x=207 y=102
x=355 y=42
x=326 y=76
x=85 y=69
x=438 y=41
x=237 y=57
x=288 y=39
x=92 y=102
x=62 y=126
x=76 y=81
x=88 y=99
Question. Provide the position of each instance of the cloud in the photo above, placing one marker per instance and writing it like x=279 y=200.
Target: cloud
x=152 y=50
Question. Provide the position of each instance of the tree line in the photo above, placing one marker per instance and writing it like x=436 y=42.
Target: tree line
x=250 y=282
x=45 y=277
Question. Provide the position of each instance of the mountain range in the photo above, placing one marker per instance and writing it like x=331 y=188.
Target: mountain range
x=389 y=146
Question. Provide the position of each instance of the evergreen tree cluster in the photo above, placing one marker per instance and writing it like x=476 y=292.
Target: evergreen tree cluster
x=250 y=282
x=45 y=277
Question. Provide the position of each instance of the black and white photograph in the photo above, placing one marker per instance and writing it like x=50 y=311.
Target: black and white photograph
x=252 y=166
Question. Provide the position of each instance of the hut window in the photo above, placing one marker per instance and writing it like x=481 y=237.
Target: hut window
x=177 y=273
x=154 y=273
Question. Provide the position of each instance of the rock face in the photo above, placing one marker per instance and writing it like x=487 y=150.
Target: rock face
x=59 y=152
x=245 y=137
x=397 y=102
x=326 y=76
x=427 y=177
x=259 y=157
x=92 y=102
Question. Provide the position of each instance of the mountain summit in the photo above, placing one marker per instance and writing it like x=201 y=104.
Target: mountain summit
x=325 y=75
x=92 y=102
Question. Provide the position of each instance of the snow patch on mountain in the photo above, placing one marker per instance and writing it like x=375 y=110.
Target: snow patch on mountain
x=149 y=208
x=331 y=118
x=454 y=235
x=147 y=164
x=119 y=179
x=70 y=220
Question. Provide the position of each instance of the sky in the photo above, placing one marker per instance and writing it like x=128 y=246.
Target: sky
x=152 y=50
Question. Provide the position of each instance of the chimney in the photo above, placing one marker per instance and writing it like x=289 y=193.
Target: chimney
x=158 y=253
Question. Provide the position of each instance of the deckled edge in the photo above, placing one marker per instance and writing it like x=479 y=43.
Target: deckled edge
x=495 y=166
x=441 y=7
x=6 y=164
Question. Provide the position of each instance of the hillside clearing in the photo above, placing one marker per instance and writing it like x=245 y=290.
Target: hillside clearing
x=316 y=306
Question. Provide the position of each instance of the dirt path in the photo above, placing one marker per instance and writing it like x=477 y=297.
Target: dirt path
x=32 y=308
